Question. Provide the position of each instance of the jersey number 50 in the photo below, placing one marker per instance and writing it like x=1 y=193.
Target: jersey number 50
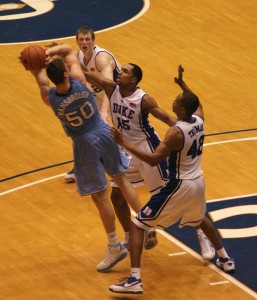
x=76 y=117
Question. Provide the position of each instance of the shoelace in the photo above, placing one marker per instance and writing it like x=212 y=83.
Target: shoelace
x=124 y=279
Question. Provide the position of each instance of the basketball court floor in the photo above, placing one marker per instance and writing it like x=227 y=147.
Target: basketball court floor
x=51 y=238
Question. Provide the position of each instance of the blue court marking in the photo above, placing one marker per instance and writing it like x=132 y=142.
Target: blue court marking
x=32 y=20
x=39 y=20
x=243 y=250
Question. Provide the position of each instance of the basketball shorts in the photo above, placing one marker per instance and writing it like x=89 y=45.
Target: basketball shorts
x=140 y=173
x=95 y=154
x=179 y=200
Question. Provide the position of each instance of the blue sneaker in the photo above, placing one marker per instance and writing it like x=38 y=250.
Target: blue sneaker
x=112 y=257
x=70 y=176
x=130 y=286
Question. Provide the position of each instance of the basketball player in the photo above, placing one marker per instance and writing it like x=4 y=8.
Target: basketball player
x=183 y=197
x=103 y=63
x=100 y=61
x=130 y=108
x=75 y=107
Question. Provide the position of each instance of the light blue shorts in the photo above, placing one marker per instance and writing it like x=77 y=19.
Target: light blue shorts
x=96 y=153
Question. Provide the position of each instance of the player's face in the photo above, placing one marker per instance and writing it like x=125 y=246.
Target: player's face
x=125 y=75
x=176 y=106
x=85 y=42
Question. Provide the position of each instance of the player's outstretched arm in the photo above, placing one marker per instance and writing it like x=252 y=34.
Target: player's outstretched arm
x=99 y=81
x=43 y=84
x=179 y=80
x=149 y=105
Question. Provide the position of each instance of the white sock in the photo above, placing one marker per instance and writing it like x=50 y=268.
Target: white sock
x=135 y=272
x=113 y=238
x=222 y=253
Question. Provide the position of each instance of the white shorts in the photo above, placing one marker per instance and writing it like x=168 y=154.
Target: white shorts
x=182 y=200
x=139 y=173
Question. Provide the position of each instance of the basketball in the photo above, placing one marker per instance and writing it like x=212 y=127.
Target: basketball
x=33 y=58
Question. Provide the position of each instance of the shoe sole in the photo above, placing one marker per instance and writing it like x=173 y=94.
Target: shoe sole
x=150 y=240
x=123 y=255
x=205 y=260
x=127 y=292
x=70 y=180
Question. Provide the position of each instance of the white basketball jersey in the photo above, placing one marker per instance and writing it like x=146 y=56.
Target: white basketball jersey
x=186 y=164
x=91 y=65
x=127 y=114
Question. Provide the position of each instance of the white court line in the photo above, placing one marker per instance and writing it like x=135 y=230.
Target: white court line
x=231 y=198
x=231 y=141
x=208 y=144
x=30 y=184
x=177 y=253
x=168 y=236
x=210 y=265
x=140 y=14
x=219 y=282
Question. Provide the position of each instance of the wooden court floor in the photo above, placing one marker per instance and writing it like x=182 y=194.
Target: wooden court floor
x=52 y=239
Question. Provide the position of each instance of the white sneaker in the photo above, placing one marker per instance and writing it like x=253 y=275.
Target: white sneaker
x=150 y=239
x=207 y=249
x=226 y=264
x=130 y=286
x=112 y=257
x=70 y=176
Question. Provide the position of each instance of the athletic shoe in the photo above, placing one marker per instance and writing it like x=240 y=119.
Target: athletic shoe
x=70 y=177
x=112 y=257
x=207 y=249
x=131 y=286
x=150 y=239
x=226 y=264
x=125 y=244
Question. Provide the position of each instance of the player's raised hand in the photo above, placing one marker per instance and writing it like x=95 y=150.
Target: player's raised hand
x=52 y=44
x=179 y=79
x=49 y=58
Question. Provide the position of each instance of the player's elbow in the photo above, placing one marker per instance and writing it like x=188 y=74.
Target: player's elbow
x=67 y=49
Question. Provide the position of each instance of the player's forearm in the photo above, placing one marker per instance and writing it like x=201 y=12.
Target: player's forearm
x=184 y=86
x=43 y=84
x=61 y=50
x=94 y=79
x=170 y=121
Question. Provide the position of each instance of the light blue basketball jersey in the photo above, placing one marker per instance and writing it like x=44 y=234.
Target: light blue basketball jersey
x=95 y=152
x=76 y=110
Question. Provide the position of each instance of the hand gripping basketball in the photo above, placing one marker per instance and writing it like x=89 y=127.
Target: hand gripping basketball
x=33 y=58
